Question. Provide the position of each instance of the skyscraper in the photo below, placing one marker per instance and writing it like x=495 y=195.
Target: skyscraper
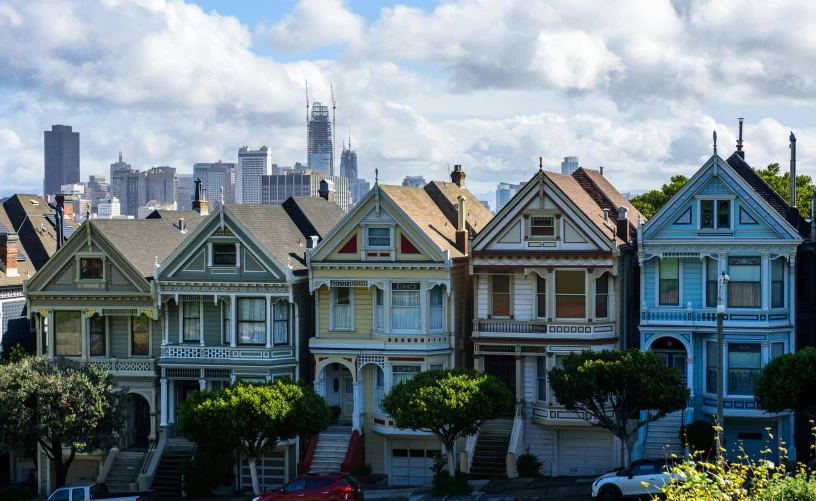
x=348 y=162
x=319 y=156
x=117 y=167
x=504 y=192
x=277 y=188
x=61 y=159
x=134 y=188
x=569 y=165
x=414 y=181
x=252 y=164
x=221 y=177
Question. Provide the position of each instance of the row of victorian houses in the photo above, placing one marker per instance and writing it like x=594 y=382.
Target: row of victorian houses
x=413 y=279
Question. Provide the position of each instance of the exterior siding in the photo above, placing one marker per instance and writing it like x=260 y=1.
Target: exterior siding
x=649 y=272
x=523 y=297
x=211 y=324
x=119 y=329
x=482 y=295
x=693 y=283
x=157 y=335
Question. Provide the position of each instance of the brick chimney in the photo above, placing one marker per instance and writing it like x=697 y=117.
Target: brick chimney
x=623 y=224
x=461 y=227
x=67 y=202
x=458 y=176
x=326 y=190
x=8 y=253
x=199 y=202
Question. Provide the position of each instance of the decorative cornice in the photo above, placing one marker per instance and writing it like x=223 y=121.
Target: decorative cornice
x=273 y=289
x=717 y=247
x=535 y=262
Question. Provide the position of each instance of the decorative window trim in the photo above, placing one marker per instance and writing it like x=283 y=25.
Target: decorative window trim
x=78 y=267
x=105 y=335
x=685 y=217
x=745 y=217
x=332 y=293
x=149 y=338
x=530 y=227
x=200 y=339
x=555 y=297
x=391 y=233
x=715 y=210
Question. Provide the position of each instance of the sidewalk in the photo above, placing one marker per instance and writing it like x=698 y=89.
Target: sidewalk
x=550 y=488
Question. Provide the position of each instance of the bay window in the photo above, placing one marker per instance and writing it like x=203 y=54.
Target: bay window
x=541 y=379
x=712 y=277
x=405 y=306
x=400 y=373
x=68 y=333
x=251 y=320
x=670 y=282
x=341 y=308
x=140 y=335
x=226 y=312
x=602 y=296
x=97 y=334
x=500 y=295
x=744 y=363
x=541 y=297
x=280 y=322
x=570 y=294
x=744 y=284
x=777 y=284
x=437 y=314
x=191 y=323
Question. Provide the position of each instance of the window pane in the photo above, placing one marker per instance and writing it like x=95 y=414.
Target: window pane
x=379 y=237
x=224 y=254
x=711 y=367
x=436 y=295
x=501 y=284
x=280 y=325
x=342 y=295
x=404 y=298
x=669 y=268
x=777 y=349
x=542 y=226
x=141 y=335
x=669 y=281
x=602 y=284
x=723 y=218
x=541 y=379
x=97 y=335
x=192 y=320
x=741 y=273
x=68 y=331
x=90 y=268
x=707 y=216
x=569 y=282
x=744 y=294
x=570 y=306
x=251 y=320
x=777 y=284
x=501 y=305
x=712 y=276
x=379 y=301
x=437 y=310
x=602 y=305
x=744 y=362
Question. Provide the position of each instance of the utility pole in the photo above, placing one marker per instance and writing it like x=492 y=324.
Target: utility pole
x=723 y=279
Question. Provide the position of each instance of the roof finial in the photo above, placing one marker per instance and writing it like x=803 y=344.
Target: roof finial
x=221 y=189
x=540 y=164
x=376 y=176
x=715 y=142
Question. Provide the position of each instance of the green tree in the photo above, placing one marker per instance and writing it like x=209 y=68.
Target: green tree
x=17 y=354
x=650 y=202
x=448 y=403
x=787 y=382
x=781 y=184
x=612 y=387
x=253 y=418
x=59 y=404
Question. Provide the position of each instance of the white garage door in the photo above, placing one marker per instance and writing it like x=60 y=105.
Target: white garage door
x=411 y=461
x=81 y=470
x=270 y=471
x=587 y=452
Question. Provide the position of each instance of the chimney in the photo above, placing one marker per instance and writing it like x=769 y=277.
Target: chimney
x=8 y=254
x=739 y=141
x=312 y=242
x=199 y=203
x=601 y=169
x=60 y=208
x=181 y=225
x=606 y=213
x=461 y=226
x=458 y=176
x=623 y=224
x=793 y=212
x=68 y=206
x=326 y=191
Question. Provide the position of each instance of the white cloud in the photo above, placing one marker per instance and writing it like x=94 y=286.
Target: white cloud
x=314 y=23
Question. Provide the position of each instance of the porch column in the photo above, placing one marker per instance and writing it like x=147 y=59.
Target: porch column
x=356 y=417
x=202 y=384
x=166 y=314
x=478 y=363
x=269 y=322
x=690 y=374
x=233 y=321
x=519 y=380
x=152 y=435
x=164 y=402
x=171 y=406
x=765 y=274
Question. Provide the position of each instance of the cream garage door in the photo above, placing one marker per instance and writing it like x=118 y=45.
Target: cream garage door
x=411 y=461
x=588 y=452
x=270 y=471
x=81 y=470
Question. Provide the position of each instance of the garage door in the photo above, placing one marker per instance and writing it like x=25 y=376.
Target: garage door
x=81 y=470
x=411 y=461
x=587 y=452
x=270 y=471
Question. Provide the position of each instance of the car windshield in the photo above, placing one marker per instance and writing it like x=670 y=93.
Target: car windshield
x=351 y=480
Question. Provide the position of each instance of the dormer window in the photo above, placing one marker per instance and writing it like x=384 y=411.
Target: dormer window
x=90 y=268
x=542 y=226
x=224 y=255
x=715 y=214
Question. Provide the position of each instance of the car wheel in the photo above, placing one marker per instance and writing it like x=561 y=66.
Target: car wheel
x=609 y=494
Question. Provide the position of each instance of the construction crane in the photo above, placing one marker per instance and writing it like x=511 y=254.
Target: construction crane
x=334 y=125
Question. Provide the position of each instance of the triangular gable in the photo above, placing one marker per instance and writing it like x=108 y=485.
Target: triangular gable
x=190 y=260
x=714 y=178
x=59 y=273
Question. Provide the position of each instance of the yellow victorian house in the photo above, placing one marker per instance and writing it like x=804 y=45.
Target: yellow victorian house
x=392 y=293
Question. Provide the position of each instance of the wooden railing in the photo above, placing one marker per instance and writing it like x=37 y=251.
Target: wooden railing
x=304 y=465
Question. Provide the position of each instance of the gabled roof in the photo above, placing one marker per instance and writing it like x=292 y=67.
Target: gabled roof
x=27 y=213
x=141 y=241
x=314 y=216
x=771 y=197
x=606 y=195
x=24 y=267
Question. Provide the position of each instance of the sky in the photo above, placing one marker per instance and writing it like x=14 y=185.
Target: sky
x=636 y=86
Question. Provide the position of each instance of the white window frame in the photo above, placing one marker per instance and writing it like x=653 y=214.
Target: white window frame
x=106 y=335
x=237 y=321
x=378 y=315
x=727 y=366
x=716 y=199
x=555 y=296
x=433 y=366
x=393 y=366
x=377 y=399
x=546 y=293
x=609 y=289
x=679 y=283
x=391 y=233
x=90 y=255
x=288 y=321
x=541 y=378
x=200 y=321
x=510 y=287
x=332 y=293
x=226 y=330
x=149 y=337
x=543 y=237
x=444 y=307
x=423 y=307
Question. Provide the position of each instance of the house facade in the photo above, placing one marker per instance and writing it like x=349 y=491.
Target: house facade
x=720 y=223
x=547 y=283
x=390 y=288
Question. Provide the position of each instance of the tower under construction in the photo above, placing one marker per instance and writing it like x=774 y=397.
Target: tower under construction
x=319 y=155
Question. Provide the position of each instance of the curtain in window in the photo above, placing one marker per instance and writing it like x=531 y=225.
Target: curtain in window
x=402 y=373
x=744 y=362
x=744 y=284
x=405 y=310
x=541 y=379
x=68 y=331
x=670 y=281
x=280 y=324
x=437 y=310
x=712 y=277
x=541 y=297
x=97 y=328
x=570 y=294
x=777 y=284
x=602 y=296
x=711 y=367
x=140 y=335
x=341 y=308
x=379 y=297
x=192 y=320
x=251 y=320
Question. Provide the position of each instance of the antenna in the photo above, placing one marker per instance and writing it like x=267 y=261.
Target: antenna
x=334 y=124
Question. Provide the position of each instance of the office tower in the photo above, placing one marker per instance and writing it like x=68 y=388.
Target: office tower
x=319 y=155
x=97 y=188
x=504 y=192
x=348 y=162
x=116 y=167
x=135 y=188
x=414 y=181
x=305 y=183
x=82 y=206
x=252 y=164
x=200 y=171
x=61 y=159
x=486 y=204
x=357 y=189
x=220 y=178
x=569 y=165
x=108 y=208
x=186 y=187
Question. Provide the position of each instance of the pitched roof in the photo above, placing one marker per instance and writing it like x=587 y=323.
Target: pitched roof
x=313 y=215
x=27 y=214
x=576 y=193
x=432 y=209
x=607 y=196
x=24 y=267
x=140 y=241
x=771 y=197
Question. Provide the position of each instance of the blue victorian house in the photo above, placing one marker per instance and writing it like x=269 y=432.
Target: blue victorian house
x=725 y=219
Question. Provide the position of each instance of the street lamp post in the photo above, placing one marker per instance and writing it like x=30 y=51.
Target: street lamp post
x=723 y=279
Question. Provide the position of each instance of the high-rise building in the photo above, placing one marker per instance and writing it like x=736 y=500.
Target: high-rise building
x=221 y=178
x=414 y=181
x=252 y=164
x=108 y=208
x=319 y=155
x=77 y=190
x=61 y=159
x=486 y=204
x=504 y=192
x=135 y=188
x=305 y=183
x=82 y=206
x=116 y=167
x=97 y=188
x=186 y=191
x=357 y=189
x=569 y=165
x=348 y=162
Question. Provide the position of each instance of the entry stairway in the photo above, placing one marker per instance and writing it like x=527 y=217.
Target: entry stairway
x=167 y=481
x=330 y=452
x=490 y=455
x=124 y=470
x=663 y=437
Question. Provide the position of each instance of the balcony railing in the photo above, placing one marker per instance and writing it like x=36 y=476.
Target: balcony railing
x=520 y=328
x=115 y=365
x=224 y=352
x=708 y=317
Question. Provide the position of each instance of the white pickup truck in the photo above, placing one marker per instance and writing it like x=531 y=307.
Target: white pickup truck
x=98 y=491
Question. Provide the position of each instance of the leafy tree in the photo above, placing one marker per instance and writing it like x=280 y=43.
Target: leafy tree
x=59 y=404
x=17 y=354
x=781 y=184
x=787 y=383
x=650 y=202
x=612 y=387
x=448 y=403
x=253 y=418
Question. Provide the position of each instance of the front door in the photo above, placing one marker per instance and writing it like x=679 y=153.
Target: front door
x=340 y=390
x=138 y=421
x=348 y=397
x=676 y=360
x=504 y=368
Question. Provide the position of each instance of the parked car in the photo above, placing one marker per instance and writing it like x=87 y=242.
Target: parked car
x=317 y=487
x=478 y=497
x=98 y=491
x=628 y=482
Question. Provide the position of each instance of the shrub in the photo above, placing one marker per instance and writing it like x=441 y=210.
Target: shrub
x=798 y=488
x=365 y=470
x=20 y=492
x=446 y=485
x=699 y=437
x=528 y=464
x=440 y=464
x=207 y=470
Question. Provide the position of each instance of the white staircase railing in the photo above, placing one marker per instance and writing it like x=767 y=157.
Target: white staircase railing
x=145 y=480
x=470 y=447
x=516 y=447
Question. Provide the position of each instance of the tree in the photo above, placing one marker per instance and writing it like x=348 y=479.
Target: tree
x=612 y=387
x=787 y=383
x=59 y=404
x=253 y=418
x=448 y=403
x=650 y=202
x=781 y=184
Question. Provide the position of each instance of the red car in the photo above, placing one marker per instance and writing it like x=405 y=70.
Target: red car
x=317 y=487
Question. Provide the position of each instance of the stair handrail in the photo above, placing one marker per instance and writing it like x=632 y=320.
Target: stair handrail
x=110 y=457
x=470 y=447
x=100 y=465
x=516 y=446
x=355 y=455
x=145 y=478
x=147 y=457
x=304 y=465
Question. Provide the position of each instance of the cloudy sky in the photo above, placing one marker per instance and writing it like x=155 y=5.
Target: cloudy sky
x=637 y=86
